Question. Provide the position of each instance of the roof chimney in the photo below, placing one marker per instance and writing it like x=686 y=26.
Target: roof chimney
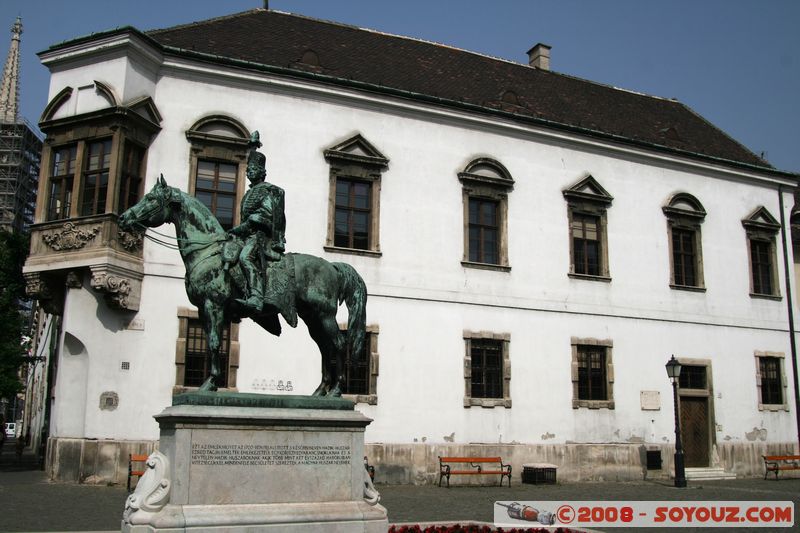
x=539 y=56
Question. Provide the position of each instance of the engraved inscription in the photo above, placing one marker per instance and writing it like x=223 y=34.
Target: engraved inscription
x=268 y=455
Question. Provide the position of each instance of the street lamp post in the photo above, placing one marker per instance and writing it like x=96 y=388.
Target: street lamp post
x=674 y=372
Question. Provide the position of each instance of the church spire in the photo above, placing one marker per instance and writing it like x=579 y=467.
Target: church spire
x=9 y=85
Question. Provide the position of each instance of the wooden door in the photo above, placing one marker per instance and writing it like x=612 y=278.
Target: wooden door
x=694 y=431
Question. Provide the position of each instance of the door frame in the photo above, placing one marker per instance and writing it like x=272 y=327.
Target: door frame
x=708 y=393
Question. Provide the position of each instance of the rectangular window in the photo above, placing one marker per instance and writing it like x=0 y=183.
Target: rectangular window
x=95 y=177
x=771 y=382
x=352 y=214
x=487 y=368
x=196 y=361
x=361 y=369
x=61 y=179
x=484 y=231
x=357 y=370
x=683 y=257
x=761 y=266
x=586 y=244
x=692 y=377
x=592 y=373
x=215 y=186
x=131 y=177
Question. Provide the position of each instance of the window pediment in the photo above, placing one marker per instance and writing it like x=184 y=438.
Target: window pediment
x=486 y=171
x=684 y=205
x=588 y=190
x=219 y=129
x=356 y=150
x=761 y=220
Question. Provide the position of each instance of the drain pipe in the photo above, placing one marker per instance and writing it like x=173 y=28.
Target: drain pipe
x=790 y=305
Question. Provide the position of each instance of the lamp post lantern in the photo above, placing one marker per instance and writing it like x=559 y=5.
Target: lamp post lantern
x=674 y=373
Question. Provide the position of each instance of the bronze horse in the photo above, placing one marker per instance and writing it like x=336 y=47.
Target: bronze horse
x=318 y=288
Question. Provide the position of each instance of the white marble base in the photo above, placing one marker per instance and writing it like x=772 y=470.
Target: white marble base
x=254 y=469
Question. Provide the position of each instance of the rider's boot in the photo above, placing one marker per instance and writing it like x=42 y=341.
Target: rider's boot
x=255 y=301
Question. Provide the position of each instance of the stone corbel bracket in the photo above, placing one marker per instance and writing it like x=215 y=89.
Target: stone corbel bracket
x=122 y=287
x=40 y=288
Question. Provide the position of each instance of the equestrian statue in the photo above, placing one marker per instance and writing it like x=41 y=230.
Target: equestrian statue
x=245 y=272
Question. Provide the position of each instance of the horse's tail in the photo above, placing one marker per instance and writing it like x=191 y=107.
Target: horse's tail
x=353 y=291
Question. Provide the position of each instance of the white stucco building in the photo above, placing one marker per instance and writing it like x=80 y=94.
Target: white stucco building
x=535 y=247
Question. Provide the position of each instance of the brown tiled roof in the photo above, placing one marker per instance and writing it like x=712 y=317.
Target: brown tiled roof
x=371 y=60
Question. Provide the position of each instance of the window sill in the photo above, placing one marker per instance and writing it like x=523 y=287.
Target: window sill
x=353 y=251
x=369 y=399
x=486 y=266
x=688 y=288
x=774 y=297
x=773 y=407
x=593 y=404
x=487 y=402
x=589 y=277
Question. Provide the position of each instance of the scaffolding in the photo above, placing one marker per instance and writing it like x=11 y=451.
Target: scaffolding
x=20 y=156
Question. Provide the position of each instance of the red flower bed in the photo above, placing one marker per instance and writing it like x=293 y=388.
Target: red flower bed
x=458 y=528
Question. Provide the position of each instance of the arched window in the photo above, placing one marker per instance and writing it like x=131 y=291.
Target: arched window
x=684 y=215
x=486 y=184
x=218 y=164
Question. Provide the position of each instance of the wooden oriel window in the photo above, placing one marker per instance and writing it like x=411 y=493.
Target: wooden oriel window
x=131 y=178
x=61 y=181
x=95 y=177
x=215 y=186
x=353 y=215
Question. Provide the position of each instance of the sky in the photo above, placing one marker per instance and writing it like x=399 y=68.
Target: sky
x=734 y=62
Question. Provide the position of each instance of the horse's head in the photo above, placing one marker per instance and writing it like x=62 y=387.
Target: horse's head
x=152 y=210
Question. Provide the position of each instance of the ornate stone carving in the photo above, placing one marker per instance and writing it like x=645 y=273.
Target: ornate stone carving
x=74 y=280
x=36 y=287
x=371 y=495
x=70 y=237
x=129 y=240
x=152 y=492
x=117 y=288
x=50 y=298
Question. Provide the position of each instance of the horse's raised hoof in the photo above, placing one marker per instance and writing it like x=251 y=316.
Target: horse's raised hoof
x=208 y=385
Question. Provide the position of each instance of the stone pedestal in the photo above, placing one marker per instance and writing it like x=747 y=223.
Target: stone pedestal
x=257 y=463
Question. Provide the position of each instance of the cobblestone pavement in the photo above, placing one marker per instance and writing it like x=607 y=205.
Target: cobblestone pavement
x=28 y=502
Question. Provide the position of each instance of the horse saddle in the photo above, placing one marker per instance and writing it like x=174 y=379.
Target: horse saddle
x=280 y=288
